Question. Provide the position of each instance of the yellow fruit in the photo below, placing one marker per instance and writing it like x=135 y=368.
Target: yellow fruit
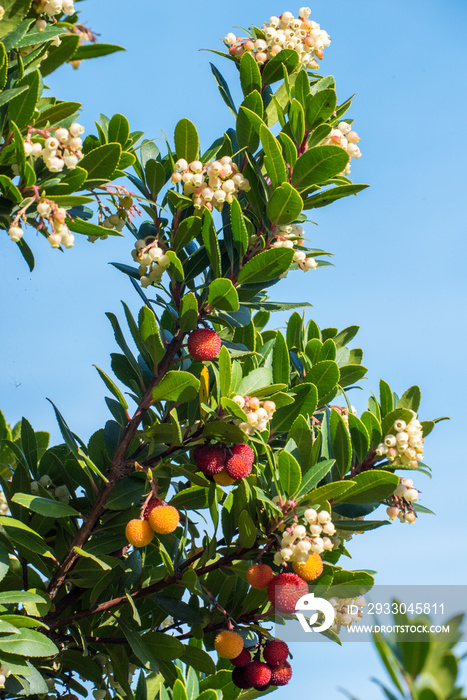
x=223 y=479
x=310 y=569
x=259 y=575
x=228 y=644
x=139 y=533
x=164 y=519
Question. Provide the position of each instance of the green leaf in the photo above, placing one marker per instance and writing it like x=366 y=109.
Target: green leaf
x=57 y=55
x=44 y=506
x=57 y=113
x=66 y=200
x=101 y=163
x=386 y=397
x=313 y=476
x=7 y=95
x=87 y=51
x=319 y=107
x=21 y=533
x=273 y=160
x=10 y=190
x=246 y=530
x=88 y=555
x=285 y=204
x=188 y=229
x=22 y=106
x=14 y=13
x=119 y=130
x=28 y=642
x=155 y=176
x=176 y=386
x=280 y=360
x=86 y=228
x=164 y=646
x=10 y=597
x=297 y=120
x=186 y=140
x=305 y=404
x=188 y=312
x=266 y=266
x=334 y=490
x=211 y=242
x=178 y=609
x=290 y=475
x=325 y=375
x=112 y=388
x=237 y=222
x=224 y=431
x=223 y=89
x=360 y=436
x=250 y=75
x=179 y=691
x=225 y=371
x=341 y=445
x=371 y=486
x=317 y=165
x=373 y=427
x=301 y=88
x=4 y=563
x=223 y=295
x=273 y=70
x=322 y=199
x=410 y=399
x=198 y=659
x=250 y=121
x=150 y=334
x=176 y=268
x=256 y=379
x=351 y=374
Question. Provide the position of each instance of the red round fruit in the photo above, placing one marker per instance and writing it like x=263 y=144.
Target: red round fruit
x=275 y=652
x=259 y=575
x=203 y=344
x=243 y=659
x=238 y=467
x=257 y=674
x=152 y=503
x=281 y=675
x=210 y=458
x=244 y=451
x=285 y=590
x=238 y=679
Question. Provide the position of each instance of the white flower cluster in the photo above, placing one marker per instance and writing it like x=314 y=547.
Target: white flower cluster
x=285 y=32
x=4 y=670
x=53 y=7
x=60 y=150
x=152 y=260
x=297 y=542
x=61 y=493
x=347 y=611
x=288 y=237
x=210 y=185
x=258 y=413
x=4 y=508
x=347 y=139
x=401 y=502
x=56 y=216
x=404 y=446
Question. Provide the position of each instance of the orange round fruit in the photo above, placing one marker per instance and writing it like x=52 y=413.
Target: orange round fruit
x=259 y=575
x=310 y=569
x=139 y=533
x=228 y=644
x=164 y=519
x=223 y=479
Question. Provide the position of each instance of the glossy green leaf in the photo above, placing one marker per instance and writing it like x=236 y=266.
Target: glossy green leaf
x=28 y=642
x=266 y=266
x=317 y=165
x=410 y=399
x=96 y=50
x=273 y=160
x=280 y=360
x=186 y=140
x=237 y=223
x=223 y=295
x=211 y=242
x=256 y=379
x=86 y=228
x=176 y=386
x=189 y=312
x=319 y=107
x=290 y=475
x=198 y=659
x=101 y=163
x=371 y=486
x=58 y=55
x=250 y=75
x=360 y=436
x=44 y=506
x=155 y=176
x=23 y=534
x=21 y=107
x=285 y=204
x=246 y=530
x=150 y=334
x=57 y=113
x=297 y=121
x=325 y=197
x=313 y=476
x=119 y=130
x=187 y=230
x=341 y=445
x=325 y=375
x=273 y=69
x=223 y=89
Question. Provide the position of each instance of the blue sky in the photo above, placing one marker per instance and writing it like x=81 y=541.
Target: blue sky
x=399 y=248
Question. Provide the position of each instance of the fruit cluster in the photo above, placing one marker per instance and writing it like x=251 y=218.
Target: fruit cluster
x=152 y=260
x=403 y=445
x=401 y=502
x=61 y=493
x=224 y=464
x=297 y=542
x=250 y=671
x=158 y=517
x=4 y=507
x=257 y=413
x=117 y=221
x=347 y=139
x=53 y=7
x=58 y=149
x=210 y=185
x=284 y=32
x=290 y=236
x=284 y=590
x=345 y=611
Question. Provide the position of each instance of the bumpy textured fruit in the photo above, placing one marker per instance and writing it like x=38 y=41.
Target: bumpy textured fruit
x=238 y=679
x=223 y=479
x=228 y=644
x=259 y=575
x=139 y=533
x=310 y=569
x=164 y=519
x=203 y=344
x=285 y=590
x=243 y=659
x=238 y=467
x=150 y=505
x=275 y=652
x=257 y=674
x=210 y=458
x=244 y=451
x=281 y=675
